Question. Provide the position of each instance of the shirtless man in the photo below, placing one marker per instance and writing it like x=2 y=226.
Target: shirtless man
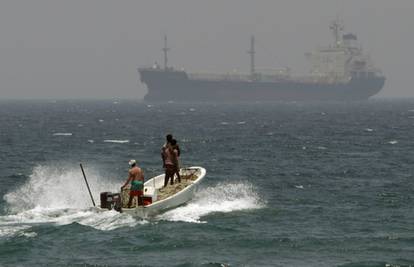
x=169 y=157
x=168 y=139
x=136 y=178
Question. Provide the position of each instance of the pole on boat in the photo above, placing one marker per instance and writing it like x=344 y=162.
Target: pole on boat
x=87 y=185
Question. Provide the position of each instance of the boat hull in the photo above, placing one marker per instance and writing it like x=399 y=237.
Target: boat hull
x=173 y=201
x=176 y=86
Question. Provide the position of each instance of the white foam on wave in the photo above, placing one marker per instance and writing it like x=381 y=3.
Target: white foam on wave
x=15 y=231
x=116 y=141
x=393 y=142
x=59 y=196
x=224 y=198
x=20 y=224
x=62 y=134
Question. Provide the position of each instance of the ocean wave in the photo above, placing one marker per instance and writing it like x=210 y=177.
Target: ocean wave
x=116 y=141
x=62 y=134
x=21 y=224
x=10 y=231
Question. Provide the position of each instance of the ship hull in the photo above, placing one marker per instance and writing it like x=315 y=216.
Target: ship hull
x=176 y=86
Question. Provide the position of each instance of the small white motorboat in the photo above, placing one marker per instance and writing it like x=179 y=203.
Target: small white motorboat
x=156 y=198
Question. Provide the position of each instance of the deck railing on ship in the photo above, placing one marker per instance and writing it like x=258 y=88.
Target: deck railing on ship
x=267 y=78
x=219 y=77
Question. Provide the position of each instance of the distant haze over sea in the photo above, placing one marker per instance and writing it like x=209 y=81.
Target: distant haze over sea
x=78 y=49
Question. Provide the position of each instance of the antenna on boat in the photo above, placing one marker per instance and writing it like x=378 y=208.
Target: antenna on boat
x=251 y=52
x=87 y=185
x=165 y=50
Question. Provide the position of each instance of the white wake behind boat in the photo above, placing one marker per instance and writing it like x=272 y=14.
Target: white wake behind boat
x=156 y=198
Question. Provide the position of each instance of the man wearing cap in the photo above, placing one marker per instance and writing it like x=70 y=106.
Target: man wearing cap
x=136 y=178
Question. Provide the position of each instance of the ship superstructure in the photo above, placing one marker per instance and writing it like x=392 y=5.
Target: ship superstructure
x=341 y=61
x=338 y=72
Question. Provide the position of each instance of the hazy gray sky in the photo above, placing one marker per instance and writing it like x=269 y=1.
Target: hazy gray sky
x=91 y=48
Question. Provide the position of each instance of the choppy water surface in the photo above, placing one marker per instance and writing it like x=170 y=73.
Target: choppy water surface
x=321 y=184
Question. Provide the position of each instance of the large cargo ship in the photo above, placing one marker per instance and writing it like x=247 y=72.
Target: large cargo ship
x=338 y=72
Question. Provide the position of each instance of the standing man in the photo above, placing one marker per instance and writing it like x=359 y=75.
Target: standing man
x=136 y=178
x=169 y=155
x=165 y=157
x=176 y=150
x=169 y=158
x=168 y=138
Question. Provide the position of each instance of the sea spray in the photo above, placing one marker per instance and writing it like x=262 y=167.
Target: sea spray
x=58 y=195
x=223 y=197
x=57 y=187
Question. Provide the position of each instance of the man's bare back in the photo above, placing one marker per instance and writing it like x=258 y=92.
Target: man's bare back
x=136 y=178
x=135 y=174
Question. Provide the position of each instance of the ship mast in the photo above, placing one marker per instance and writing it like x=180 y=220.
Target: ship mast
x=165 y=50
x=251 y=52
x=336 y=27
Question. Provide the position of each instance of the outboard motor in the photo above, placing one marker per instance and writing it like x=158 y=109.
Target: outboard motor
x=111 y=201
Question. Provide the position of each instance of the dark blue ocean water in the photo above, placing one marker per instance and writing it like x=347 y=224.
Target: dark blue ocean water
x=288 y=184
